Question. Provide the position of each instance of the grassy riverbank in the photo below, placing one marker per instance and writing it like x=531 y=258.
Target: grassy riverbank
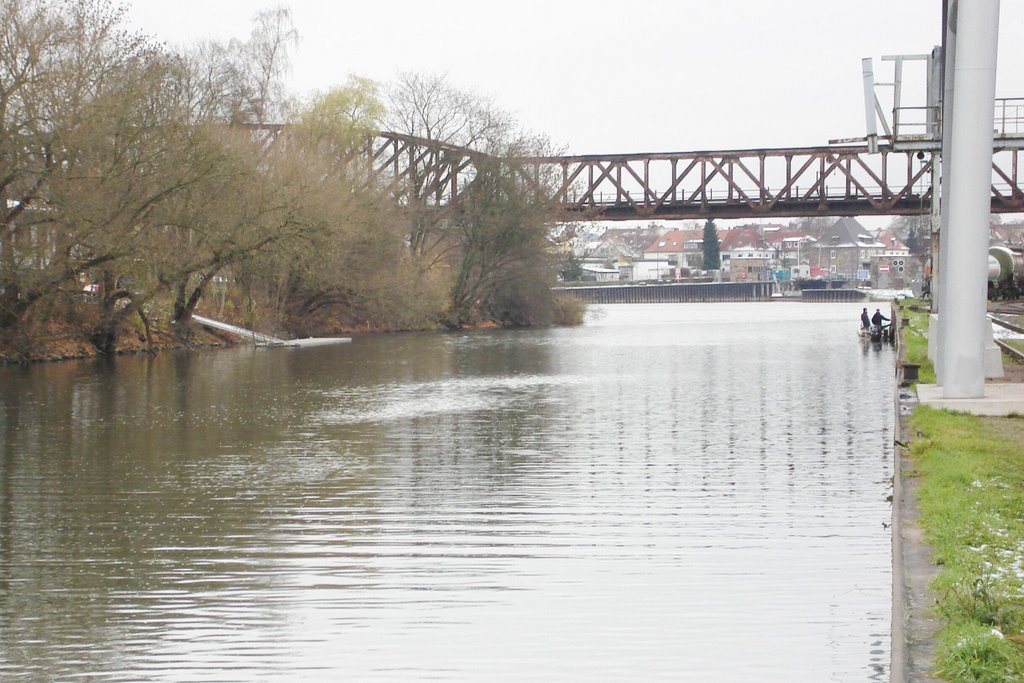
x=971 y=500
x=915 y=341
x=972 y=509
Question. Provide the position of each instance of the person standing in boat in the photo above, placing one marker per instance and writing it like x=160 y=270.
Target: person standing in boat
x=877 y=318
x=865 y=320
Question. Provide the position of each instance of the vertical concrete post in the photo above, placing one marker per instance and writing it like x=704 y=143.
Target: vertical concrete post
x=965 y=270
x=937 y=331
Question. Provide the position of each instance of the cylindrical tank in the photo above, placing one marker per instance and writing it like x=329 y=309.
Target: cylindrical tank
x=1004 y=263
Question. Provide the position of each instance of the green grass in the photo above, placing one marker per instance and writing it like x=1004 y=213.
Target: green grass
x=915 y=339
x=972 y=509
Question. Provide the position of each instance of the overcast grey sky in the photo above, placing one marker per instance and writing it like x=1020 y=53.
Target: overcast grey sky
x=601 y=77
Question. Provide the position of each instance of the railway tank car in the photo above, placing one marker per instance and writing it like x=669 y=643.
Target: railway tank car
x=1005 y=273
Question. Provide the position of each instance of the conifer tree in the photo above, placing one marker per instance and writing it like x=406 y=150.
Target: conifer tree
x=712 y=247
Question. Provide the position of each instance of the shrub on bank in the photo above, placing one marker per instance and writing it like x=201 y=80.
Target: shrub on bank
x=568 y=310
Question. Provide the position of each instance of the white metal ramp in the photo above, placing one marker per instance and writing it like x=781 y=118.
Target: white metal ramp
x=259 y=339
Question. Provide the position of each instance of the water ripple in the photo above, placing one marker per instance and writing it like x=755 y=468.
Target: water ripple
x=670 y=492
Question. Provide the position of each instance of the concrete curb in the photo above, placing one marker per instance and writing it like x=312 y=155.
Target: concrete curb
x=898 y=654
x=913 y=626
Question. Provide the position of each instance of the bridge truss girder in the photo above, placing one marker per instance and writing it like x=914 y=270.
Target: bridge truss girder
x=416 y=170
x=737 y=184
x=822 y=181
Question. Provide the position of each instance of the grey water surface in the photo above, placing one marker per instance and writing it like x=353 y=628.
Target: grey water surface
x=676 y=492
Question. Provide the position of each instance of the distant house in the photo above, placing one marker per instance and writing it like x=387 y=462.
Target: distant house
x=619 y=248
x=676 y=250
x=891 y=244
x=844 y=250
x=1010 y=235
x=592 y=273
x=607 y=250
x=746 y=255
x=789 y=247
x=894 y=266
x=635 y=239
x=626 y=243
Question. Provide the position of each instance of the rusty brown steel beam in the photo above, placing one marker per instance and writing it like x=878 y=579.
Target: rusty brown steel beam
x=836 y=184
x=748 y=183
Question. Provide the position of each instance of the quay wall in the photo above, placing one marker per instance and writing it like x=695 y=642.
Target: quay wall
x=704 y=292
x=707 y=292
x=914 y=625
x=832 y=295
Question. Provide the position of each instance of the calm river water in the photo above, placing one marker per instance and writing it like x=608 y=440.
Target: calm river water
x=678 y=492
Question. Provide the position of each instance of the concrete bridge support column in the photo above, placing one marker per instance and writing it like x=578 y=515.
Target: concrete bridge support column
x=965 y=271
x=936 y=330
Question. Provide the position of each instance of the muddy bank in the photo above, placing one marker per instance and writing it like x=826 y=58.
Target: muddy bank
x=58 y=341
x=63 y=342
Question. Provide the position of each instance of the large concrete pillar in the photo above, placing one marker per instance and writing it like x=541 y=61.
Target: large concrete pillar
x=936 y=331
x=965 y=270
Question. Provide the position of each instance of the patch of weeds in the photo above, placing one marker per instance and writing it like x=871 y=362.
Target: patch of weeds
x=985 y=601
x=979 y=654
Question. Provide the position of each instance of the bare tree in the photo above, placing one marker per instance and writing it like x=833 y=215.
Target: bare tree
x=354 y=264
x=243 y=81
x=430 y=107
x=264 y=64
x=68 y=81
x=114 y=163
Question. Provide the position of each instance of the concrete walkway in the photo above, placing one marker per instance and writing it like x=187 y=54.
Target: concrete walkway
x=1000 y=400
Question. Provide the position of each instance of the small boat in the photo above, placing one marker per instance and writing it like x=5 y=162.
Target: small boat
x=876 y=333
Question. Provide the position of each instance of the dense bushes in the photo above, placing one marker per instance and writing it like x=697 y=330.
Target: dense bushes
x=135 y=193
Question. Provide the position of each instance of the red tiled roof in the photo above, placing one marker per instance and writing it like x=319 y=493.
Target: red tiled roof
x=741 y=238
x=674 y=241
x=775 y=237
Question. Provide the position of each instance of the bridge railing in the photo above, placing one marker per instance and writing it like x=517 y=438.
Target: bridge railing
x=1009 y=116
x=921 y=123
x=924 y=123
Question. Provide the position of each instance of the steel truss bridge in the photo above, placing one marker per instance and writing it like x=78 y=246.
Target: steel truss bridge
x=803 y=181
x=738 y=184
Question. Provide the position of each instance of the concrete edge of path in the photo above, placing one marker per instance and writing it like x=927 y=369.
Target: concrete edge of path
x=1001 y=399
x=914 y=627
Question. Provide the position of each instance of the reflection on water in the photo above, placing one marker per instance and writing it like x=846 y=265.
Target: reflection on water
x=685 y=491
